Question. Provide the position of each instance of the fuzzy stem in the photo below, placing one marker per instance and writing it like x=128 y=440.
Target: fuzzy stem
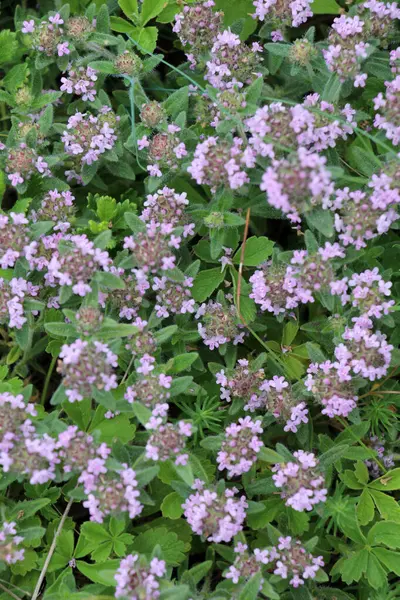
x=51 y=550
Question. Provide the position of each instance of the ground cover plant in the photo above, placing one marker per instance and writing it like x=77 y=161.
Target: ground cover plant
x=199 y=300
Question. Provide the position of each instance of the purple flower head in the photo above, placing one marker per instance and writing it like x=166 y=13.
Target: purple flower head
x=240 y=447
x=293 y=562
x=300 y=482
x=86 y=365
x=137 y=578
x=10 y=553
x=218 y=324
x=241 y=382
x=247 y=563
x=216 y=517
x=330 y=384
x=367 y=354
x=274 y=288
x=287 y=12
x=167 y=440
x=277 y=398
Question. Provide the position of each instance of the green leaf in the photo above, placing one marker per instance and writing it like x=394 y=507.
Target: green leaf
x=129 y=8
x=142 y=413
x=8 y=45
x=331 y=91
x=376 y=575
x=363 y=160
x=95 y=532
x=354 y=566
x=321 y=220
x=258 y=249
x=387 y=506
x=365 y=508
x=134 y=223
x=385 y=532
x=119 y=428
x=388 y=482
x=172 y=548
x=289 y=332
x=109 y=280
x=15 y=77
x=171 y=506
x=206 y=282
x=390 y=559
x=27 y=508
x=332 y=455
x=103 y=66
x=278 y=49
x=103 y=19
x=251 y=588
x=103 y=573
x=110 y=332
x=150 y=9
x=270 y=456
x=182 y=362
x=325 y=7
x=145 y=38
x=198 y=572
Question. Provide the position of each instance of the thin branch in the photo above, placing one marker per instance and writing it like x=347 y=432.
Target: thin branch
x=51 y=551
x=7 y=591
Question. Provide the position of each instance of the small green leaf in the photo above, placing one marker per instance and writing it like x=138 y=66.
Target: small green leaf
x=150 y=9
x=103 y=573
x=389 y=558
x=258 y=249
x=171 y=506
x=365 y=508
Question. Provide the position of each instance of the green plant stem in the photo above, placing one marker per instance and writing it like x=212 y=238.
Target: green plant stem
x=47 y=380
x=361 y=443
x=7 y=591
x=128 y=368
x=51 y=551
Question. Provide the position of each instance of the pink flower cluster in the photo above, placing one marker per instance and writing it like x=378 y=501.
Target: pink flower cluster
x=81 y=81
x=274 y=288
x=137 y=579
x=293 y=562
x=232 y=64
x=151 y=389
x=240 y=447
x=77 y=264
x=164 y=149
x=330 y=385
x=347 y=49
x=111 y=492
x=283 y=12
x=14 y=238
x=57 y=207
x=12 y=296
x=365 y=353
x=217 y=162
x=246 y=564
x=86 y=365
x=167 y=440
x=314 y=272
x=167 y=206
x=242 y=382
x=277 y=398
x=217 y=517
x=173 y=297
x=79 y=454
x=197 y=27
x=87 y=137
x=298 y=183
x=388 y=118
x=301 y=483
x=362 y=216
x=281 y=125
x=48 y=35
x=22 y=162
x=153 y=250
x=143 y=342
x=9 y=542
x=387 y=458
x=218 y=325
x=366 y=291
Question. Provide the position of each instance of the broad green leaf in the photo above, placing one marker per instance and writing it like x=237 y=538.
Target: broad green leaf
x=171 y=506
x=129 y=8
x=270 y=456
x=390 y=559
x=388 y=482
x=103 y=573
x=325 y=7
x=172 y=548
x=385 y=532
x=387 y=506
x=206 y=282
x=150 y=9
x=376 y=575
x=365 y=508
x=354 y=566
x=251 y=588
x=257 y=250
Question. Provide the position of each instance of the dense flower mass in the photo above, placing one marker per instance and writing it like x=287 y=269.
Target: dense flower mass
x=240 y=447
x=86 y=365
x=9 y=542
x=300 y=481
x=199 y=299
x=136 y=579
x=218 y=517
